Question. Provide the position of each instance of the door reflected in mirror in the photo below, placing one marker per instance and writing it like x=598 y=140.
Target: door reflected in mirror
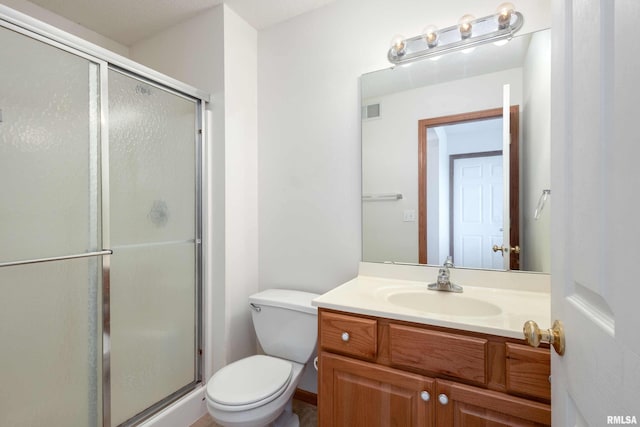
x=461 y=177
x=434 y=134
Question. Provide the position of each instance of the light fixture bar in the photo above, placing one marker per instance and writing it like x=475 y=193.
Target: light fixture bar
x=484 y=30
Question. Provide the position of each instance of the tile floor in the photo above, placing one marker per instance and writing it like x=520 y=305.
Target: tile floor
x=307 y=413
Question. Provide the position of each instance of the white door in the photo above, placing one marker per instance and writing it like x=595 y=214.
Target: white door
x=595 y=232
x=477 y=211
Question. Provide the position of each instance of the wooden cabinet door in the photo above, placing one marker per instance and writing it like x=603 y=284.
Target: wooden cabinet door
x=462 y=405
x=354 y=393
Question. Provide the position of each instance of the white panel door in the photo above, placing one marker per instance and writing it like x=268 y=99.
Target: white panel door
x=477 y=211
x=595 y=232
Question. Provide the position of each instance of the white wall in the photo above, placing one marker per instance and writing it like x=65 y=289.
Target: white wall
x=217 y=51
x=64 y=24
x=390 y=157
x=191 y=51
x=309 y=127
x=241 y=170
x=536 y=155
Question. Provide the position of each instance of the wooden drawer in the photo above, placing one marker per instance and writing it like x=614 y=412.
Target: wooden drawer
x=361 y=339
x=439 y=352
x=528 y=371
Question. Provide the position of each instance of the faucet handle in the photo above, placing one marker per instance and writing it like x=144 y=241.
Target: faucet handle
x=449 y=261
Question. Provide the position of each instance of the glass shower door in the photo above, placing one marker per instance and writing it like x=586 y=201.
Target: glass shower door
x=92 y=157
x=50 y=323
x=153 y=229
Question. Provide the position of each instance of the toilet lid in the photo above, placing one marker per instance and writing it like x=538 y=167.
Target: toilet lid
x=250 y=382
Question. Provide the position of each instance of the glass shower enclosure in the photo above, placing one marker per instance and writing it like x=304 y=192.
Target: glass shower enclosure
x=100 y=234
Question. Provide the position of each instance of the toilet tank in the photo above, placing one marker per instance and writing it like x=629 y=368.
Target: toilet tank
x=286 y=323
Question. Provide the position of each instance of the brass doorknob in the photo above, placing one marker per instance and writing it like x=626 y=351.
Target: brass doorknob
x=502 y=249
x=533 y=335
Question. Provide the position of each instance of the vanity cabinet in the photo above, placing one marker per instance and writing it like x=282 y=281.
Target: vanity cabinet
x=382 y=372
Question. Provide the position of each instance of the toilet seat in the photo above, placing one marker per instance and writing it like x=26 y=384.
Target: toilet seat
x=249 y=383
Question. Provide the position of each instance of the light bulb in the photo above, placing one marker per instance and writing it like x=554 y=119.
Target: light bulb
x=398 y=45
x=504 y=12
x=430 y=34
x=465 y=26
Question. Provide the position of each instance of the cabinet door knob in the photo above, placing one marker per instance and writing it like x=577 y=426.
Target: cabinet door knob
x=443 y=399
x=345 y=336
x=425 y=396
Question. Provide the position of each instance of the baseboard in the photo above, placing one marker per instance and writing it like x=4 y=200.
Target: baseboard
x=306 y=397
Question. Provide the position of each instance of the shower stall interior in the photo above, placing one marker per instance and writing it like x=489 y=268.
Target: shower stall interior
x=100 y=233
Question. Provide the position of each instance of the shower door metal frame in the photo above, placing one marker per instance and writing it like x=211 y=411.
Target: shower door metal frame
x=105 y=59
x=199 y=276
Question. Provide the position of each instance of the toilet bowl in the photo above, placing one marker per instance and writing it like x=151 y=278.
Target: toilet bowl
x=263 y=398
x=257 y=391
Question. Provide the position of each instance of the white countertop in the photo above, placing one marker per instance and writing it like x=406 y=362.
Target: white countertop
x=369 y=295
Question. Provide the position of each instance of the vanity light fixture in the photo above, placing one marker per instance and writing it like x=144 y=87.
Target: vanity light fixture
x=470 y=32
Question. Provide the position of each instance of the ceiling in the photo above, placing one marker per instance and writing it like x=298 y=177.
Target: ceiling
x=129 y=21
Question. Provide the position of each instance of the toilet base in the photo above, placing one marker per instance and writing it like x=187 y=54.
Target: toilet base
x=293 y=421
x=287 y=418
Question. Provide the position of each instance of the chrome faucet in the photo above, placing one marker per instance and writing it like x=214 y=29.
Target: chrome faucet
x=443 y=283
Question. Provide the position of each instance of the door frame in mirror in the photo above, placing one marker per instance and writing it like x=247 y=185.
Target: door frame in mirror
x=514 y=174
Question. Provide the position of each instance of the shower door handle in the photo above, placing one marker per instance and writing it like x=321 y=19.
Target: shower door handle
x=56 y=258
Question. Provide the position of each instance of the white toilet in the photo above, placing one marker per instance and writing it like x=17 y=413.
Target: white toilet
x=257 y=391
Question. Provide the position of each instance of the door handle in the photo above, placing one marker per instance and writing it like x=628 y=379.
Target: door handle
x=502 y=249
x=533 y=335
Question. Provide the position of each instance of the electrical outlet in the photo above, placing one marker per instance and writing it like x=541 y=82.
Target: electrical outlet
x=409 y=215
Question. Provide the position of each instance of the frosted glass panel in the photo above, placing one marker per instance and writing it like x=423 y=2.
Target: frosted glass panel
x=152 y=325
x=152 y=155
x=153 y=228
x=46 y=154
x=50 y=355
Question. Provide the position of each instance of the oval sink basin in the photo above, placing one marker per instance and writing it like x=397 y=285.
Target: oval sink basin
x=444 y=303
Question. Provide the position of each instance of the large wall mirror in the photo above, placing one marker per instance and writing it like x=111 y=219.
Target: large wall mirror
x=455 y=158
